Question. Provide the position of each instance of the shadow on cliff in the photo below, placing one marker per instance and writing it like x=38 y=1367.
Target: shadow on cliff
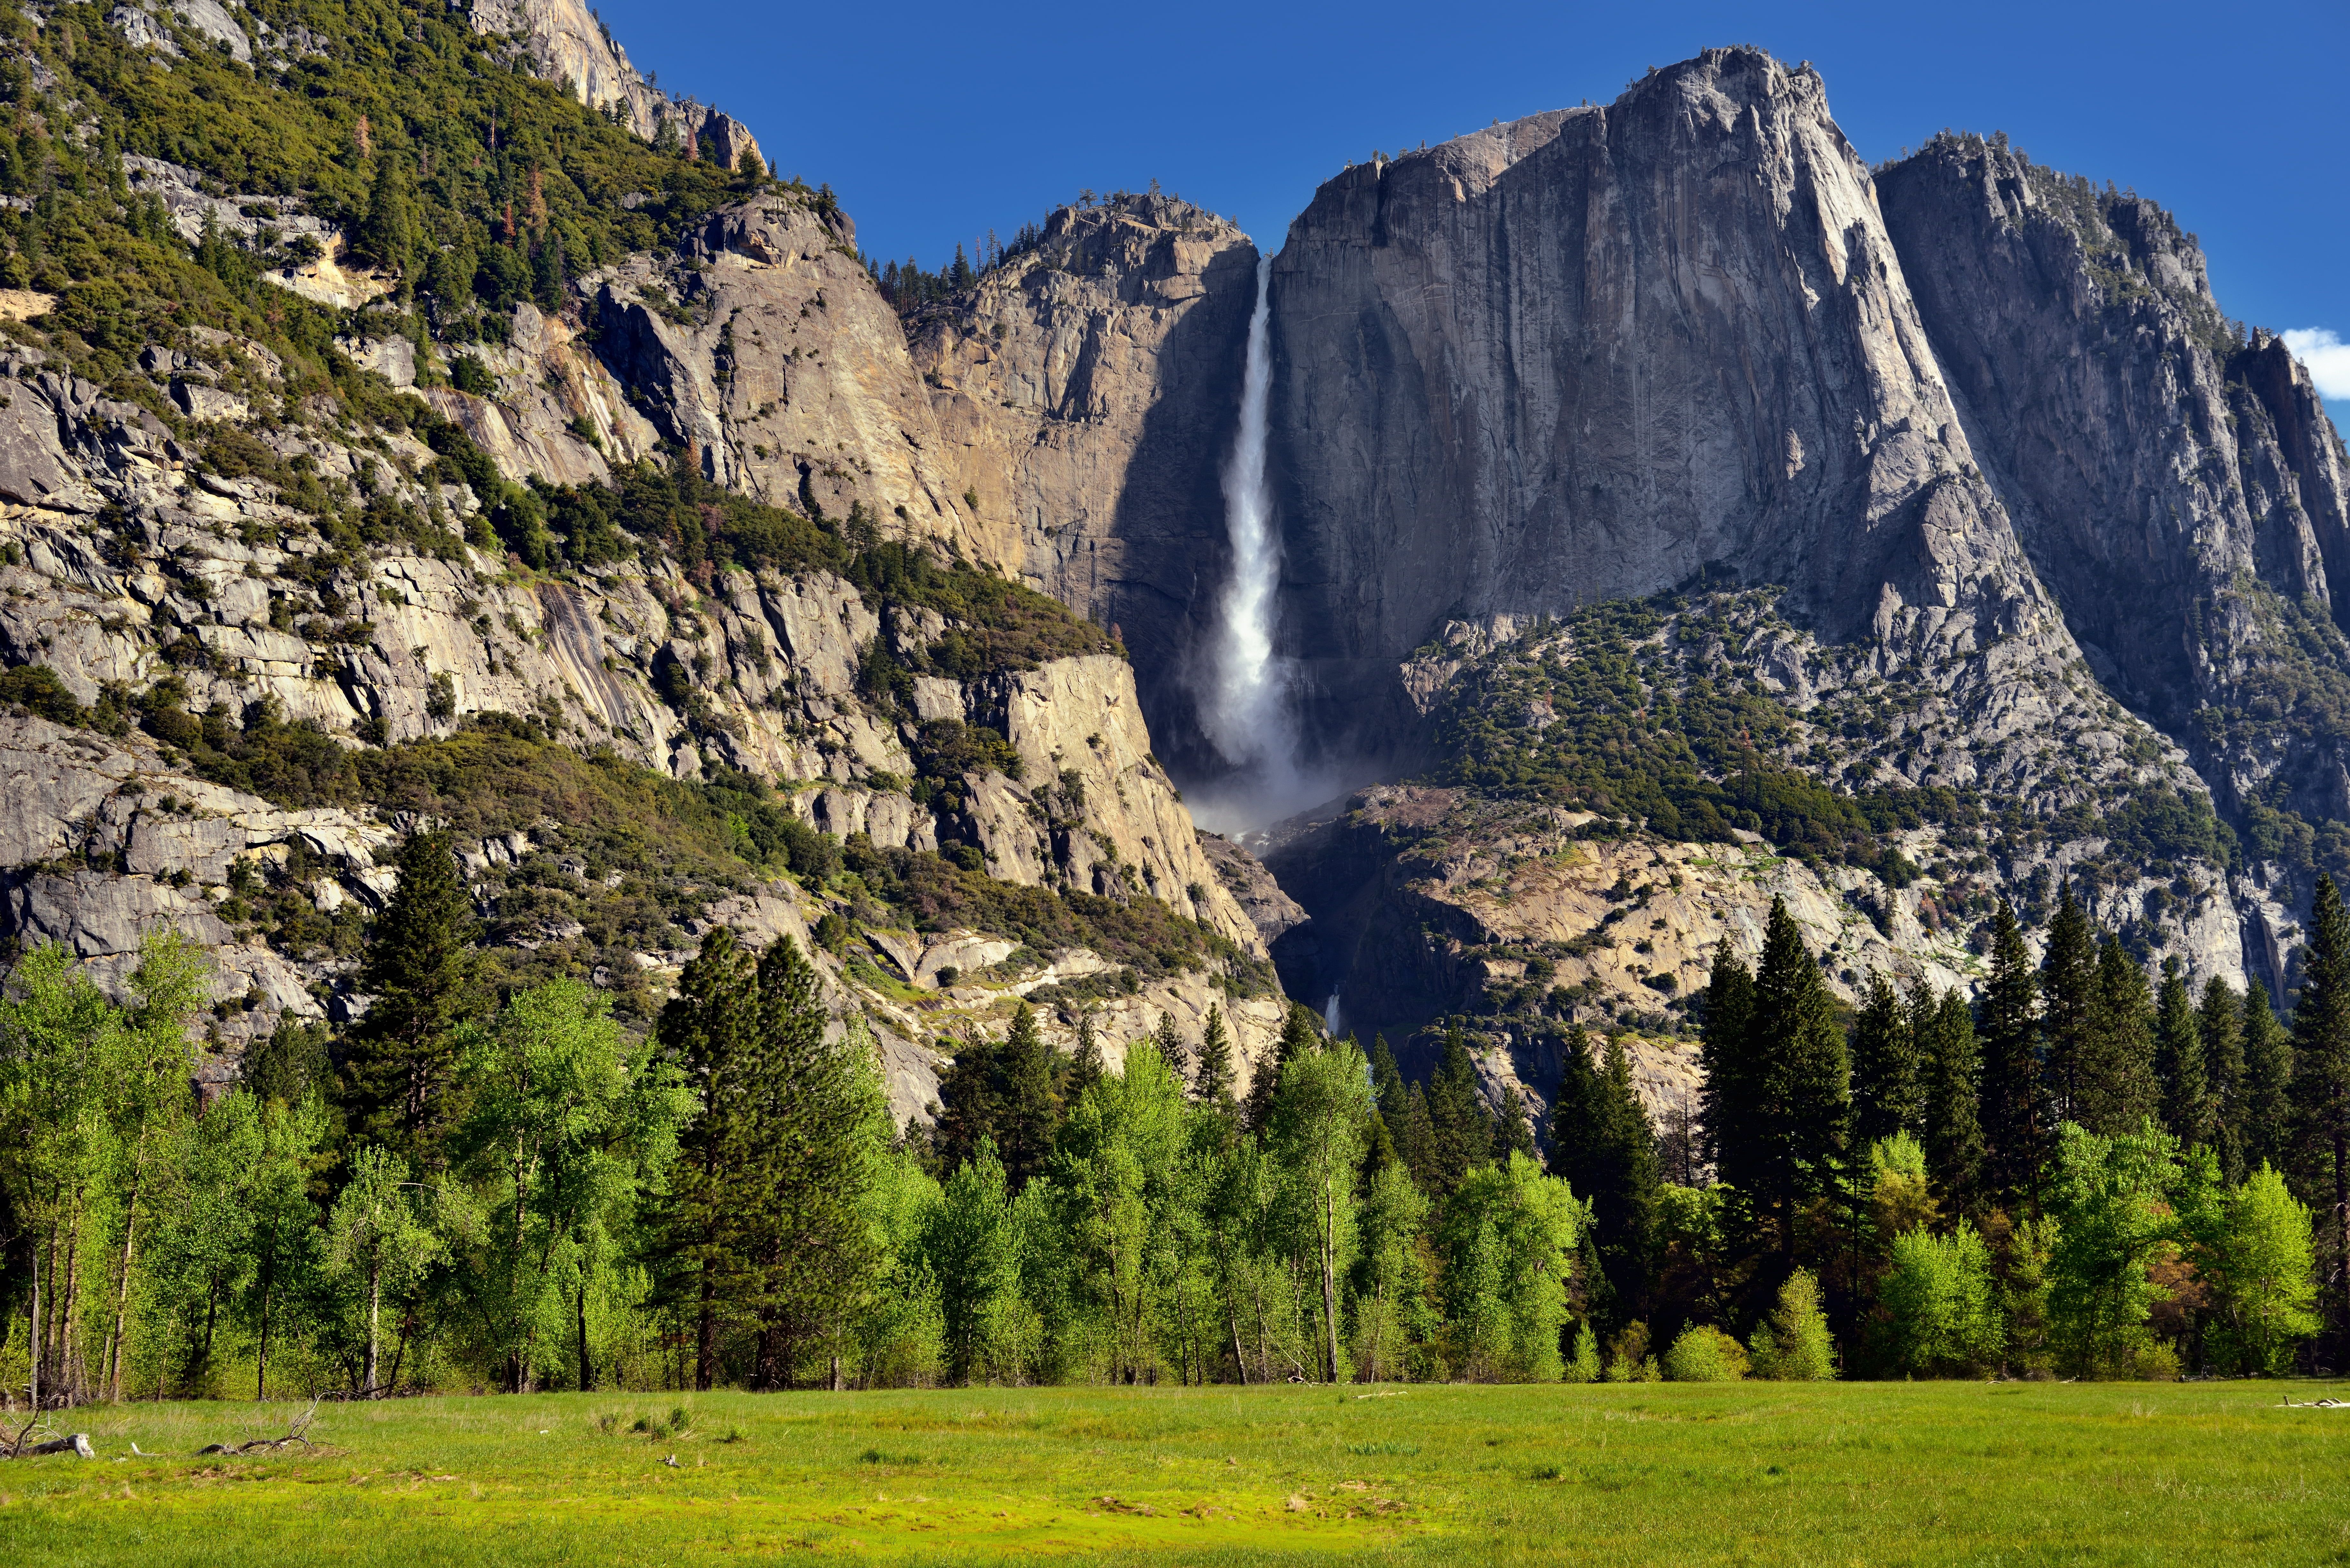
x=1170 y=514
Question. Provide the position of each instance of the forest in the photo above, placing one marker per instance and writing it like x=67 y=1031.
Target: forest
x=494 y=1186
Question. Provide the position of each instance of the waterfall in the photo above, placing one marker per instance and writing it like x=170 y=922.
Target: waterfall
x=1245 y=708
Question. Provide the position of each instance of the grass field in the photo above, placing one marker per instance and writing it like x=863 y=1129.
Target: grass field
x=1754 y=1473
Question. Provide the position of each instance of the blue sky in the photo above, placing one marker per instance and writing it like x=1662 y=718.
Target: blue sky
x=935 y=123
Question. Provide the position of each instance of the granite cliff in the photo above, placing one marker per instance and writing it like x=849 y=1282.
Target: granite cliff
x=1676 y=511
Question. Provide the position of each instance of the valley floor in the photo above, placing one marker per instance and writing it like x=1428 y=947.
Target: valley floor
x=1877 y=1473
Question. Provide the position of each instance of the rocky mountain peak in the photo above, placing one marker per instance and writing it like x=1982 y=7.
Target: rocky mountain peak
x=566 y=42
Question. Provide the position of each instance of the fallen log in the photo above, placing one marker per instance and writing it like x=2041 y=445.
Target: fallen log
x=77 y=1444
x=296 y=1431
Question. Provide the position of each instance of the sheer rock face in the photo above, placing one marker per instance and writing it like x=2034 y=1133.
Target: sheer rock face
x=1592 y=353
x=762 y=346
x=1089 y=390
x=2179 y=487
x=123 y=562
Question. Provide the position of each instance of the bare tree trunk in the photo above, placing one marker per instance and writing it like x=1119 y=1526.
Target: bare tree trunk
x=375 y=1316
x=2342 y=1201
x=69 y=1381
x=1330 y=1277
x=586 y=1367
x=122 y=1285
x=399 y=1352
x=37 y=1346
x=261 y=1358
x=705 y=1349
x=1232 y=1310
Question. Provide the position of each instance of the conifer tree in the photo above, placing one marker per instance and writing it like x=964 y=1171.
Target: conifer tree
x=1027 y=1115
x=1729 y=1099
x=1415 y=1140
x=2219 y=1026
x=1212 y=1081
x=1513 y=1134
x=1300 y=1031
x=420 y=970
x=2321 y=1072
x=2117 y=1090
x=1171 y=1044
x=971 y=1102
x=1085 y=1065
x=1887 y=1090
x=1945 y=1030
x=2179 y=1062
x=2017 y=1135
x=1602 y=1144
x=2068 y=995
x=1388 y=1087
x=708 y=1029
x=801 y=1182
x=387 y=233
x=1805 y=1100
x=2265 y=1114
x=1464 y=1132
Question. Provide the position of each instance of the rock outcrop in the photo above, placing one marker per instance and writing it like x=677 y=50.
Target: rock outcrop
x=131 y=564
x=762 y=346
x=1091 y=392
x=2175 y=479
x=1595 y=353
x=563 y=41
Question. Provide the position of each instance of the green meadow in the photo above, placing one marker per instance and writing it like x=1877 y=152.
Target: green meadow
x=1754 y=1473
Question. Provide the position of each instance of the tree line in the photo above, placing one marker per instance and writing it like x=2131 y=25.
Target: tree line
x=2079 y=1173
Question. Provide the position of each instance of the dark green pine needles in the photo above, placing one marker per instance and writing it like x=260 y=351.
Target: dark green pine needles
x=763 y=1225
x=420 y=973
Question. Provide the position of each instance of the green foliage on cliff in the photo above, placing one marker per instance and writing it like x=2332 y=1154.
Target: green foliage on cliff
x=935 y=893
x=444 y=164
x=995 y=624
x=1615 y=710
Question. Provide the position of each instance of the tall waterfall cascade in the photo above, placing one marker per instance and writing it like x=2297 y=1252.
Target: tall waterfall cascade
x=1244 y=706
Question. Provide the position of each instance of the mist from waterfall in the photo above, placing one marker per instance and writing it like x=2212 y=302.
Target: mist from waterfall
x=1245 y=703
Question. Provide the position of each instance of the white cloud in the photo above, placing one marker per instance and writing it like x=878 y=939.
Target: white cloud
x=2327 y=357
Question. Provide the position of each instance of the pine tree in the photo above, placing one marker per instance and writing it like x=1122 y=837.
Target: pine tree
x=1388 y=1087
x=388 y=233
x=970 y=1103
x=1887 y=1089
x=800 y=1184
x=419 y=971
x=1213 y=1082
x=2017 y=1135
x=2320 y=1071
x=1300 y=1031
x=1085 y=1067
x=2264 y=1108
x=1945 y=1032
x=1513 y=1134
x=1415 y=1140
x=2068 y=992
x=2220 y=1025
x=1456 y=1112
x=1027 y=1114
x=708 y=1029
x=1729 y=1097
x=1602 y=1145
x=2118 y=1090
x=2179 y=1062
x=1171 y=1044
x=1805 y=1106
